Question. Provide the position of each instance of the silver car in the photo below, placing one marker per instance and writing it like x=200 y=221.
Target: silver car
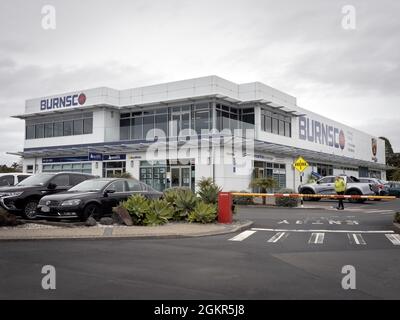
x=326 y=185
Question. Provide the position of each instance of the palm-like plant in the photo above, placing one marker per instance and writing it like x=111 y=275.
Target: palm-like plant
x=264 y=184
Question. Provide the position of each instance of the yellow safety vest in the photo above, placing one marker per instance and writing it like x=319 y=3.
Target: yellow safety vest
x=340 y=185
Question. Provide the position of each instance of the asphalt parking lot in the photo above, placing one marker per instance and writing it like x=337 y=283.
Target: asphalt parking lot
x=286 y=254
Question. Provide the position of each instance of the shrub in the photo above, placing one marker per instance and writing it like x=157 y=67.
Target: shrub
x=185 y=202
x=203 y=213
x=137 y=206
x=397 y=217
x=7 y=219
x=243 y=200
x=263 y=184
x=126 y=175
x=160 y=212
x=286 y=201
x=208 y=191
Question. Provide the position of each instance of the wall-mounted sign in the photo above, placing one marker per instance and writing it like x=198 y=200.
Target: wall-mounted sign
x=65 y=159
x=93 y=156
x=374 y=147
x=318 y=132
x=62 y=102
x=109 y=157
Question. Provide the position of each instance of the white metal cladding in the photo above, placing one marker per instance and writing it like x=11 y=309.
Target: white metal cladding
x=102 y=101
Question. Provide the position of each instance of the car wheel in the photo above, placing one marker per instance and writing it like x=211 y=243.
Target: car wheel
x=308 y=191
x=91 y=210
x=30 y=209
x=355 y=193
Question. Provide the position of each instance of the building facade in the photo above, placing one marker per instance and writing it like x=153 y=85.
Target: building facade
x=173 y=134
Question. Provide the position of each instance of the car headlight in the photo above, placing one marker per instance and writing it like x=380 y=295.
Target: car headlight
x=11 y=194
x=73 y=202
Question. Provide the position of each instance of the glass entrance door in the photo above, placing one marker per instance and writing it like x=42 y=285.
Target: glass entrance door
x=181 y=177
x=113 y=168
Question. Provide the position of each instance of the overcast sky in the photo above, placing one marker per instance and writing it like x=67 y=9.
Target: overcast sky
x=299 y=47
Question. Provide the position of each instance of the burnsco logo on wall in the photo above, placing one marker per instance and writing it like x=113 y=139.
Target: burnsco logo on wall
x=319 y=132
x=63 y=102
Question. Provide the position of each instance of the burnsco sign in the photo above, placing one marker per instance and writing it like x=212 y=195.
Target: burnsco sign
x=319 y=132
x=62 y=102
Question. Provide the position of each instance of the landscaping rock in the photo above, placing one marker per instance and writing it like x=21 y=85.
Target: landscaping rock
x=122 y=216
x=90 y=222
x=7 y=219
x=106 y=221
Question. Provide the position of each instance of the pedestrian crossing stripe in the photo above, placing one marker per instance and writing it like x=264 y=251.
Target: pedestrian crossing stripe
x=243 y=235
x=318 y=237
x=393 y=238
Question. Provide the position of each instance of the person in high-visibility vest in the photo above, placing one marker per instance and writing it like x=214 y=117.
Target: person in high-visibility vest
x=340 y=188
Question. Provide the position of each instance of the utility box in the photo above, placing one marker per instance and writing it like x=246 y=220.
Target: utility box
x=225 y=206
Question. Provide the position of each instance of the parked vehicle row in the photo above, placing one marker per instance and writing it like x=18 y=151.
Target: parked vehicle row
x=69 y=195
x=12 y=178
x=326 y=185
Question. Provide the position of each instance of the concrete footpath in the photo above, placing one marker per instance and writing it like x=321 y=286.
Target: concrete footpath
x=33 y=231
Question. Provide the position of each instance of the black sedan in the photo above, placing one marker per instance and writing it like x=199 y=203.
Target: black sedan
x=94 y=197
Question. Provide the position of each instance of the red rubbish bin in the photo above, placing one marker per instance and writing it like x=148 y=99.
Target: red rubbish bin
x=225 y=207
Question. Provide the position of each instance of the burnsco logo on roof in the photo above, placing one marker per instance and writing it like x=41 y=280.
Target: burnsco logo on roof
x=319 y=132
x=63 y=102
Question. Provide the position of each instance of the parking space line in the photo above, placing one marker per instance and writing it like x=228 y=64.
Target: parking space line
x=317 y=238
x=356 y=238
x=393 y=238
x=243 y=235
x=278 y=236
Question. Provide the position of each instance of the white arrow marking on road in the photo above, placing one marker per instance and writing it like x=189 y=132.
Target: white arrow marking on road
x=317 y=238
x=394 y=238
x=243 y=235
x=278 y=236
x=283 y=221
x=357 y=238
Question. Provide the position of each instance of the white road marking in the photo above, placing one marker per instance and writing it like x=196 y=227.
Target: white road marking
x=327 y=231
x=243 y=235
x=278 y=236
x=317 y=238
x=356 y=238
x=394 y=238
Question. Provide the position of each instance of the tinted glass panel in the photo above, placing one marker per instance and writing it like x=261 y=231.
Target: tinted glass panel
x=61 y=180
x=88 y=126
x=68 y=128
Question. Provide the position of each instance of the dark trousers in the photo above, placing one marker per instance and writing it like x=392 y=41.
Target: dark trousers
x=341 y=205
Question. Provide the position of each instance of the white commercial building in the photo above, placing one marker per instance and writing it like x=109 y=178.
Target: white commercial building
x=170 y=135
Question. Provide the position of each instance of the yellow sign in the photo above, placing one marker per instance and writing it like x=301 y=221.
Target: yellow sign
x=300 y=164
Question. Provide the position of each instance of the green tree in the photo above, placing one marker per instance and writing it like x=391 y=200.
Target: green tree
x=264 y=184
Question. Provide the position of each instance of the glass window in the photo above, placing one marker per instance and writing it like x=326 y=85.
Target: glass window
x=268 y=124
x=124 y=129
x=88 y=125
x=201 y=120
x=30 y=132
x=281 y=128
x=22 y=177
x=78 y=127
x=39 y=131
x=58 y=129
x=275 y=126
x=148 y=125
x=61 y=180
x=288 y=129
x=48 y=130
x=134 y=185
x=7 y=180
x=161 y=123
x=68 y=128
x=118 y=186
x=137 y=128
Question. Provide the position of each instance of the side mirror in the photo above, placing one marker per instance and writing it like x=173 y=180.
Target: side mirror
x=108 y=191
x=51 y=186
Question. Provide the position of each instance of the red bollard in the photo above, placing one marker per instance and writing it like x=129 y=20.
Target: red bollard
x=225 y=207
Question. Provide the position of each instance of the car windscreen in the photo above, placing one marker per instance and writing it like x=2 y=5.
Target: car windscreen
x=39 y=179
x=90 y=185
